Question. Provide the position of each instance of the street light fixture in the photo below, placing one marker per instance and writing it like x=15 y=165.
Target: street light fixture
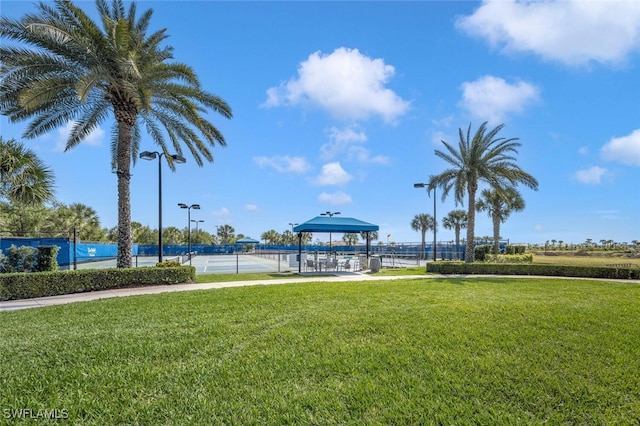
x=435 y=222
x=197 y=222
x=292 y=225
x=195 y=207
x=151 y=155
x=330 y=214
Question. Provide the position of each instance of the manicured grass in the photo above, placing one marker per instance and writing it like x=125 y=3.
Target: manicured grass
x=425 y=351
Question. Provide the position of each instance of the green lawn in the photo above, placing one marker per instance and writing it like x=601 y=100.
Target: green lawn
x=425 y=351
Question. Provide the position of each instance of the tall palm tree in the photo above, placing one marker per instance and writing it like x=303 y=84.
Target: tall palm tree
x=456 y=220
x=24 y=178
x=71 y=70
x=422 y=223
x=499 y=207
x=485 y=157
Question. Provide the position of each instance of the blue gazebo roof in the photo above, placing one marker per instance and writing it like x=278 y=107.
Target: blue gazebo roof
x=335 y=224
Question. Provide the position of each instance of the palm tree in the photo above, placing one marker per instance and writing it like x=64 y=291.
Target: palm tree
x=24 y=179
x=499 y=206
x=226 y=234
x=350 y=238
x=456 y=220
x=81 y=73
x=271 y=237
x=422 y=223
x=481 y=158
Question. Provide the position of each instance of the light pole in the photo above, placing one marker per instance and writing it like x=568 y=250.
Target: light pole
x=292 y=225
x=150 y=155
x=435 y=222
x=192 y=206
x=330 y=214
x=197 y=222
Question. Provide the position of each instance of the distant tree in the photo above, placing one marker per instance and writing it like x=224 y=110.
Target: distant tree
x=64 y=219
x=173 y=235
x=143 y=234
x=24 y=179
x=483 y=157
x=422 y=223
x=350 y=238
x=66 y=68
x=456 y=220
x=499 y=205
x=271 y=237
x=226 y=234
x=24 y=220
x=373 y=236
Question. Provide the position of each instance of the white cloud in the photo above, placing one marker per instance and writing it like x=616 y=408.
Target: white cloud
x=625 y=150
x=574 y=32
x=492 y=98
x=223 y=211
x=333 y=174
x=94 y=138
x=340 y=140
x=284 y=163
x=335 y=198
x=348 y=141
x=592 y=175
x=251 y=207
x=345 y=83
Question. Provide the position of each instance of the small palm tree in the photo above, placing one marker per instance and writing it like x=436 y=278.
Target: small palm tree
x=66 y=68
x=422 y=223
x=226 y=234
x=499 y=206
x=24 y=179
x=456 y=220
x=485 y=157
x=350 y=238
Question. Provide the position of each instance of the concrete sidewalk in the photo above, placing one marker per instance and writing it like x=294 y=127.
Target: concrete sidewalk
x=12 y=305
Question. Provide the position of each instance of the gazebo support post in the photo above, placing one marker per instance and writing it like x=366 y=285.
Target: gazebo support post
x=299 y=252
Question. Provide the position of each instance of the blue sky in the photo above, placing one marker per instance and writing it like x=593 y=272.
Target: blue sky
x=339 y=106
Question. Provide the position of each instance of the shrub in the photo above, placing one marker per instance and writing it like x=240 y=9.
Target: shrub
x=509 y=258
x=19 y=259
x=168 y=264
x=482 y=251
x=601 y=272
x=40 y=284
x=515 y=249
x=47 y=258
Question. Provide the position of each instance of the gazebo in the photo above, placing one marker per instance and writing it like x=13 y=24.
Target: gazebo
x=332 y=224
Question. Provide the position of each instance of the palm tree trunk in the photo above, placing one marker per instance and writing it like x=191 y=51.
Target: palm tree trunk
x=496 y=234
x=470 y=256
x=124 y=195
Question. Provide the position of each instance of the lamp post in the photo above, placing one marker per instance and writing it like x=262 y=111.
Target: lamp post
x=197 y=222
x=292 y=225
x=435 y=222
x=330 y=214
x=151 y=155
x=192 y=206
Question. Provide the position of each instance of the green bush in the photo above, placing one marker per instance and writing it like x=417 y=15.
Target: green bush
x=168 y=264
x=515 y=249
x=19 y=259
x=482 y=251
x=40 y=284
x=604 y=272
x=47 y=258
x=509 y=258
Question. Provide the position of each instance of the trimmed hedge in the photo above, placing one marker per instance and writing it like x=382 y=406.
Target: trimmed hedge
x=41 y=284
x=534 y=269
